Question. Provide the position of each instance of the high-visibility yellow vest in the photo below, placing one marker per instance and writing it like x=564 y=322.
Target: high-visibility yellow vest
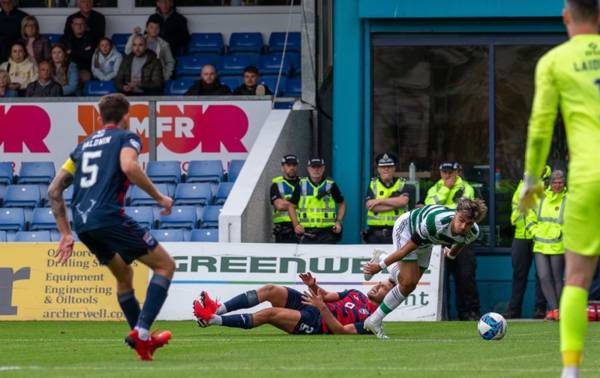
x=547 y=232
x=522 y=223
x=384 y=218
x=317 y=207
x=439 y=194
x=286 y=189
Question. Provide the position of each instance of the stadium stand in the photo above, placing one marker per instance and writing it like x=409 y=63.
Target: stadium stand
x=270 y=64
x=293 y=87
x=6 y=173
x=191 y=65
x=223 y=191
x=2 y=193
x=245 y=43
x=34 y=172
x=33 y=236
x=206 y=43
x=98 y=88
x=178 y=87
x=22 y=196
x=138 y=197
x=55 y=236
x=210 y=217
x=164 y=171
x=53 y=38
x=234 y=65
x=180 y=217
x=204 y=235
x=205 y=171
x=235 y=166
x=42 y=219
x=277 y=42
x=68 y=195
x=232 y=81
x=2 y=236
x=143 y=215
x=120 y=41
x=12 y=219
x=271 y=82
x=193 y=194
x=174 y=235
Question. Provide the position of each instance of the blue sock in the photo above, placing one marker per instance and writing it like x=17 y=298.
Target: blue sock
x=238 y=321
x=130 y=307
x=246 y=300
x=155 y=297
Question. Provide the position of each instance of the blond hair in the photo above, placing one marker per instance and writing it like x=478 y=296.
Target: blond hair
x=24 y=22
x=474 y=209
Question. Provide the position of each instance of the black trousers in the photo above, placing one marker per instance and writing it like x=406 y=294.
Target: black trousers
x=378 y=236
x=284 y=233
x=522 y=258
x=323 y=235
x=463 y=270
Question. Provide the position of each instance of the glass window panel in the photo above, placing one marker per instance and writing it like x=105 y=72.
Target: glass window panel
x=202 y=3
x=64 y=3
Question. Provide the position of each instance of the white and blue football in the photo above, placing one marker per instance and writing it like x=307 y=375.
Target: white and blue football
x=492 y=326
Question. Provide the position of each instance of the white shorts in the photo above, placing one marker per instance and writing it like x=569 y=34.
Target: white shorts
x=400 y=236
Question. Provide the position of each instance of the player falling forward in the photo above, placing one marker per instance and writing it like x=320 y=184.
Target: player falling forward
x=317 y=312
x=100 y=169
x=414 y=235
x=568 y=77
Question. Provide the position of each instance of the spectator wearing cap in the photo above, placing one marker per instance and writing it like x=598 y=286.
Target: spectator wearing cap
x=250 y=86
x=282 y=188
x=94 y=22
x=449 y=188
x=313 y=211
x=387 y=199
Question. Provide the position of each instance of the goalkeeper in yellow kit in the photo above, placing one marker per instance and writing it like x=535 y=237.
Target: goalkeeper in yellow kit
x=568 y=77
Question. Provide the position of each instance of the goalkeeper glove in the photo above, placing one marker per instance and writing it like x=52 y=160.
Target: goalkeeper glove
x=533 y=190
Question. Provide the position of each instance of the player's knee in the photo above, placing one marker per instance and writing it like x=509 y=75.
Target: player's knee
x=578 y=279
x=268 y=290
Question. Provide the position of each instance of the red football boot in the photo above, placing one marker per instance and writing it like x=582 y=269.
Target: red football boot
x=205 y=307
x=159 y=339
x=143 y=348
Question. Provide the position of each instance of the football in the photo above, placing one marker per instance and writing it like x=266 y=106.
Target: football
x=492 y=326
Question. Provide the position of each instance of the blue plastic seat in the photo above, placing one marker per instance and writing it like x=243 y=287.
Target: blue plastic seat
x=143 y=215
x=235 y=166
x=210 y=217
x=203 y=43
x=193 y=194
x=180 y=217
x=6 y=173
x=277 y=41
x=191 y=65
x=119 y=41
x=36 y=172
x=53 y=38
x=140 y=198
x=55 y=236
x=271 y=82
x=42 y=219
x=98 y=88
x=33 y=236
x=223 y=191
x=68 y=195
x=12 y=219
x=164 y=171
x=293 y=87
x=234 y=65
x=205 y=235
x=172 y=235
x=2 y=193
x=246 y=42
x=205 y=171
x=269 y=64
x=178 y=87
x=22 y=196
x=2 y=236
x=232 y=81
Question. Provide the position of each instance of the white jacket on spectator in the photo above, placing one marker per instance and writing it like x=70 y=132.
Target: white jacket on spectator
x=163 y=52
x=107 y=66
x=23 y=73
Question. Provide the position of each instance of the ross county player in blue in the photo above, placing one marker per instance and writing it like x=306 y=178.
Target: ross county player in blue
x=101 y=168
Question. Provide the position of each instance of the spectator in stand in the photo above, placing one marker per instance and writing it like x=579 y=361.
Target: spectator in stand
x=106 y=60
x=65 y=71
x=173 y=26
x=10 y=26
x=157 y=44
x=80 y=45
x=45 y=86
x=21 y=70
x=209 y=84
x=250 y=87
x=5 y=90
x=95 y=23
x=38 y=46
x=141 y=71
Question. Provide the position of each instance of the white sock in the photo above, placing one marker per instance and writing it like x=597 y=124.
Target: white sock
x=143 y=333
x=221 y=310
x=392 y=300
x=215 y=320
x=570 y=372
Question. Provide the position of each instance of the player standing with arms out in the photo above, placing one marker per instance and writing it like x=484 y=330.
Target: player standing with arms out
x=568 y=77
x=414 y=235
x=100 y=169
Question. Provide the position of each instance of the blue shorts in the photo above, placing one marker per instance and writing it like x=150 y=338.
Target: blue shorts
x=310 y=317
x=127 y=239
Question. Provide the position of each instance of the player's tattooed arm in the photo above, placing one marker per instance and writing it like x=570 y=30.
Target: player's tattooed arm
x=61 y=181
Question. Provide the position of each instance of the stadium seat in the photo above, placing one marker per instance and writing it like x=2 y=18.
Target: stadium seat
x=223 y=191
x=178 y=87
x=2 y=193
x=180 y=217
x=140 y=198
x=269 y=64
x=205 y=235
x=68 y=195
x=36 y=172
x=271 y=82
x=246 y=42
x=193 y=194
x=234 y=65
x=2 y=236
x=22 y=196
x=191 y=65
x=235 y=166
x=293 y=87
x=202 y=43
x=232 y=81
x=277 y=41
x=173 y=235
x=6 y=173
x=12 y=219
x=42 y=219
x=55 y=236
x=210 y=217
x=205 y=171
x=164 y=171
x=143 y=215
x=295 y=63
x=53 y=38
x=98 y=88
x=33 y=236
x=119 y=40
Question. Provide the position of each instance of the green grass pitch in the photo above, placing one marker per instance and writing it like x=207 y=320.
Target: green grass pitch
x=442 y=349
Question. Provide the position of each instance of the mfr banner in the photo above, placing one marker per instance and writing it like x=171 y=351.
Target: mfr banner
x=34 y=286
x=228 y=269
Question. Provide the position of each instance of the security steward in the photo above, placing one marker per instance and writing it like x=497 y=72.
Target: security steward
x=282 y=188
x=313 y=211
x=387 y=199
x=449 y=188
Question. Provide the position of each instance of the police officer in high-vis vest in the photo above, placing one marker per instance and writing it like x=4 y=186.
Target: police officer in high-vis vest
x=313 y=212
x=449 y=188
x=387 y=199
x=282 y=188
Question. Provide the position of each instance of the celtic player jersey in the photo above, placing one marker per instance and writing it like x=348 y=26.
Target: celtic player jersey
x=432 y=224
x=568 y=76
